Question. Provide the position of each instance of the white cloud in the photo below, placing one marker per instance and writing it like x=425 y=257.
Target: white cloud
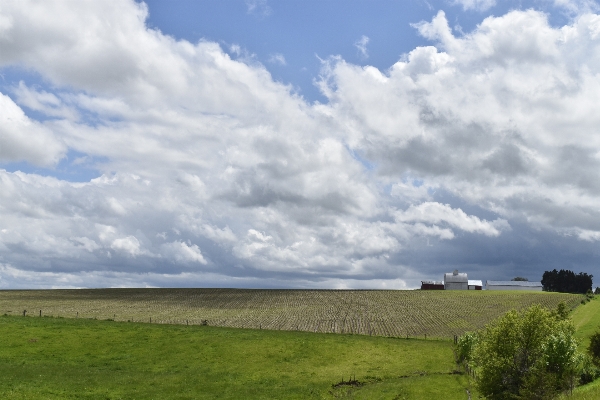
x=412 y=192
x=361 y=46
x=477 y=5
x=577 y=7
x=502 y=118
x=183 y=252
x=22 y=139
x=277 y=58
x=259 y=7
x=436 y=213
x=235 y=49
x=47 y=103
x=589 y=236
x=129 y=245
x=210 y=168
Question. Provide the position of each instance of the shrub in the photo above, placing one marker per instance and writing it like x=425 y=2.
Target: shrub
x=532 y=354
x=594 y=348
x=464 y=347
x=589 y=371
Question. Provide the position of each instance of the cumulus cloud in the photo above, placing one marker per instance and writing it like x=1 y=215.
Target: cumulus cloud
x=213 y=172
x=129 y=245
x=183 y=252
x=436 y=213
x=488 y=117
x=22 y=139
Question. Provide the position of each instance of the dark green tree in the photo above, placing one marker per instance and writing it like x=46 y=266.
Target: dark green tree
x=566 y=281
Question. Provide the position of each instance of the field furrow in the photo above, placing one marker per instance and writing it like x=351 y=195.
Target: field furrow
x=435 y=314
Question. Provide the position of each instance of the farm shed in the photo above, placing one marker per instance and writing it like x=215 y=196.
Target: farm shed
x=456 y=281
x=513 y=285
x=475 y=285
x=432 y=285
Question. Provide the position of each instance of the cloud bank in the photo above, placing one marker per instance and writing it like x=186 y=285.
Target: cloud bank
x=214 y=174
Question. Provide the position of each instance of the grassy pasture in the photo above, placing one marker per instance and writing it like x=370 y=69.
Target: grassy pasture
x=56 y=357
x=60 y=358
x=392 y=313
x=586 y=319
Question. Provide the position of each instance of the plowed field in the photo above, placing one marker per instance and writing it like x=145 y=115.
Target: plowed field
x=412 y=313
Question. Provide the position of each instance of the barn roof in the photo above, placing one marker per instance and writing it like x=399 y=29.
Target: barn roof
x=458 y=277
x=475 y=282
x=514 y=283
x=432 y=282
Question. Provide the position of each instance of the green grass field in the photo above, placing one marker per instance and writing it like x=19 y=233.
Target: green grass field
x=93 y=358
x=586 y=319
x=58 y=358
x=393 y=313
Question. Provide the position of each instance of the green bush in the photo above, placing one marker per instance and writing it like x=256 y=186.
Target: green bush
x=594 y=348
x=527 y=355
x=464 y=347
x=589 y=371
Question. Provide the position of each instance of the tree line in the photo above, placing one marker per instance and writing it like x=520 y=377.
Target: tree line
x=566 y=281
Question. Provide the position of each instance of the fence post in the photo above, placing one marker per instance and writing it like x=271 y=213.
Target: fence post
x=24 y=312
x=40 y=313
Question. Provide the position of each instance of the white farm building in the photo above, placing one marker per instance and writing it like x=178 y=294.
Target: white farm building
x=513 y=285
x=456 y=281
x=475 y=285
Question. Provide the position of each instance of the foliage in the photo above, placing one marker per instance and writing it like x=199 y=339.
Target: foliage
x=566 y=281
x=526 y=355
x=562 y=312
x=589 y=295
x=519 y=278
x=597 y=291
x=586 y=319
x=589 y=371
x=594 y=348
x=464 y=347
x=60 y=358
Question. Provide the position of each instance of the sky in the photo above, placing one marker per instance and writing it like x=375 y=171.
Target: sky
x=297 y=144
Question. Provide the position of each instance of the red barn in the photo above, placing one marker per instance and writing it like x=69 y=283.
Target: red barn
x=432 y=285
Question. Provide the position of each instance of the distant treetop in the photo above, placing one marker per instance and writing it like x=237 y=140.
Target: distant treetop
x=520 y=278
x=566 y=281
